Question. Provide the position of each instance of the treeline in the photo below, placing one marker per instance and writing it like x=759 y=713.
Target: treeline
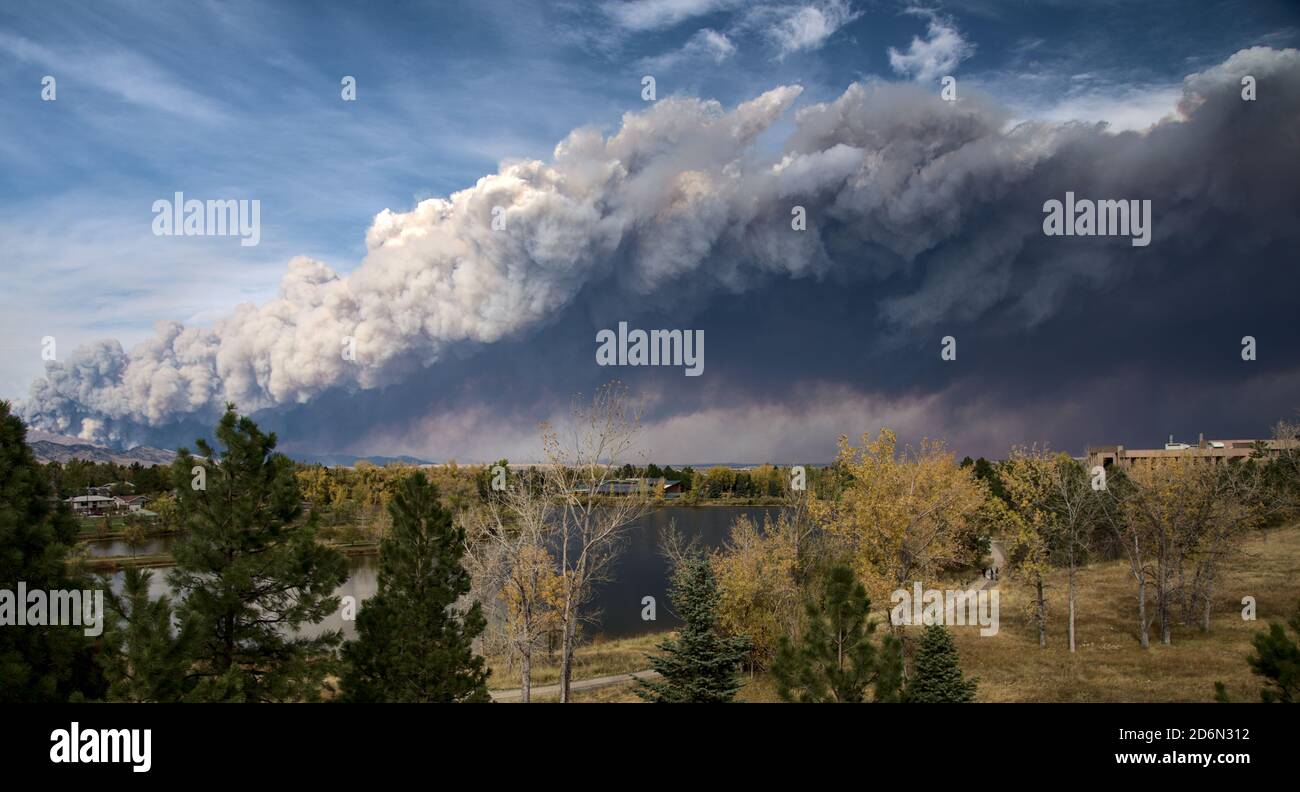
x=359 y=493
x=71 y=478
x=351 y=503
x=357 y=497
x=720 y=482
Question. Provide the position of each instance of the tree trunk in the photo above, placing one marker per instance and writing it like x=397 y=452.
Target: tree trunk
x=1042 y=615
x=1071 y=608
x=566 y=650
x=1162 y=597
x=1205 y=613
x=1143 y=637
x=526 y=676
x=1166 y=637
x=566 y=667
x=1184 y=595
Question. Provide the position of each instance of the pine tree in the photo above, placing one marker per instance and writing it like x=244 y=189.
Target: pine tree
x=1277 y=660
x=700 y=665
x=938 y=677
x=37 y=664
x=250 y=573
x=146 y=661
x=413 y=643
x=835 y=659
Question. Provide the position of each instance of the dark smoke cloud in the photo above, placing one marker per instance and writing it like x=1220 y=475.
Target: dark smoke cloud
x=924 y=220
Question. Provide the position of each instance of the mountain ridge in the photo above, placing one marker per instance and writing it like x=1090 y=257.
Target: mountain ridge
x=48 y=447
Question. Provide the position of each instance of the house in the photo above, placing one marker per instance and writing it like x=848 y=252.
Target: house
x=629 y=486
x=93 y=505
x=636 y=486
x=132 y=503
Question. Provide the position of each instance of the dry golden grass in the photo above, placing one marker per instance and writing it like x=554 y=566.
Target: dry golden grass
x=758 y=689
x=1110 y=664
x=600 y=658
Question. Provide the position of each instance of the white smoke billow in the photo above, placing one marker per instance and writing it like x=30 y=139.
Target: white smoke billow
x=681 y=189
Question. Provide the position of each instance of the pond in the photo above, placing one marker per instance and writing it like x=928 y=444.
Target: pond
x=639 y=571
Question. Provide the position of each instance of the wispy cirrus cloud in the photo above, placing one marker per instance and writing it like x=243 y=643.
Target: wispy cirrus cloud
x=121 y=73
x=642 y=15
x=706 y=44
x=787 y=27
x=806 y=27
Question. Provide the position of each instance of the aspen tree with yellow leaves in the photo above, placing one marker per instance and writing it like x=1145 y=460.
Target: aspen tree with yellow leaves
x=904 y=514
x=759 y=572
x=506 y=550
x=1179 y=518
x=1054 y=514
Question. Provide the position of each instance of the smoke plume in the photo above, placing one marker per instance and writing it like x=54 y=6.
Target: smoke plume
x=897 y=186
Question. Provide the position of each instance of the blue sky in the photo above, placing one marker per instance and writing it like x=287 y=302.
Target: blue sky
x=236 y=99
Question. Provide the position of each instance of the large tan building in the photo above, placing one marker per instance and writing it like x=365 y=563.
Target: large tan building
x=1118 y=455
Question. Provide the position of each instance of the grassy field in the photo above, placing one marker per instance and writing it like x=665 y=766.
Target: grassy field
x=1109 y=666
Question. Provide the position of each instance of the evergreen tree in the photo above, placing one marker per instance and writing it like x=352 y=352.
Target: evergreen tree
x=413 y=642
x=37 y=663
x=1277 y=659
x=835 y=659
x=146 y=662
x=700 y=665
x=938 y=677
x=250 y=573
x=988 y=472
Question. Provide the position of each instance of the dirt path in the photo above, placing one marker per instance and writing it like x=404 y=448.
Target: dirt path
x=999 y=563
x=540 y=691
